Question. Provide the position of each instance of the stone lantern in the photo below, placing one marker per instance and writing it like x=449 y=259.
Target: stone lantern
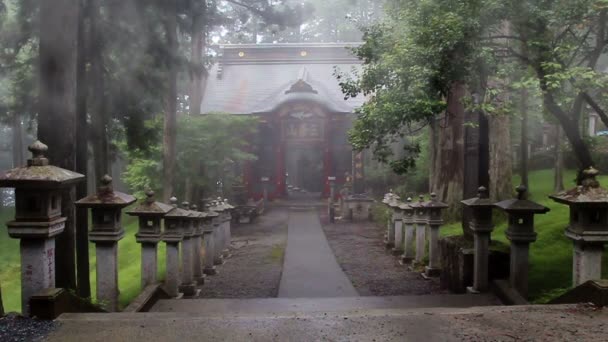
x=188 y=286
x=408 y=223
x=397 y=225
x=38 y=190
x=521 y=233
x=228 y=224
x=390 y=200
x=434 y=210
x=106 y=210
x=225 y=218
x=209 y=240
x=218 y=236
x=420 y=220
x=197 y=242
x=265 y=181
x=150 y=215
x=331 y=210
x=588 y=228
x=481 y=224
x=173 y=236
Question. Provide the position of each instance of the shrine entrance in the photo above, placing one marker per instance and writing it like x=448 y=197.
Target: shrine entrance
x=305 y=168
x=303 y=134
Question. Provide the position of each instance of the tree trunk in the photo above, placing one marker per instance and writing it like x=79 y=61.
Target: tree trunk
x=82 y=231
x=523 y=166
x=1 y=304
x=558 y=181
x=198 y=74
x=99 y=117
x=57 y=113
x=17 y=130
x=449 y=158
x=170 y=120
x=501 y=163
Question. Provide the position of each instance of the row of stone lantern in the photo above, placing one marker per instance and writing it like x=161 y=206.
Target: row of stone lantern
x=409 y=222
x=407 y=230
x=38 y=189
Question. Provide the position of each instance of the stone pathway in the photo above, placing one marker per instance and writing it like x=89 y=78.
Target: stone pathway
x=310 y=269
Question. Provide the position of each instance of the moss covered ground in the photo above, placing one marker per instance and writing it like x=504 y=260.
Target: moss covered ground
x=551 y=254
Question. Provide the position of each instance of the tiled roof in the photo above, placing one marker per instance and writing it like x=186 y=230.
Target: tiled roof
x=257 y=78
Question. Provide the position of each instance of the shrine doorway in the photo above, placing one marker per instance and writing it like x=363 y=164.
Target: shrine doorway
x=305 y=166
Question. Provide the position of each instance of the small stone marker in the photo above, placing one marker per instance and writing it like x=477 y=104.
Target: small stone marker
x=106 y=210
x=38 y=191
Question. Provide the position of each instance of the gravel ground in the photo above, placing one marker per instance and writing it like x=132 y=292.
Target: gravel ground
x=360 y=251
x=16 y=328
x=254 y=269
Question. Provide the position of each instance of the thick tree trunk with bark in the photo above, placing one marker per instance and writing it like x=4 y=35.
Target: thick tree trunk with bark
x=558 y=179
x=170 y=121
x=523 y=163
x=17 y=130
x=449 y=153
x=82 y=231
x=198 y=73
x=1 y=304
x=99 y=117
x=501 y=163
x=57 y=113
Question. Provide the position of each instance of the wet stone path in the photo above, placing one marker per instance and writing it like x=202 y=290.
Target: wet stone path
x=310 y=269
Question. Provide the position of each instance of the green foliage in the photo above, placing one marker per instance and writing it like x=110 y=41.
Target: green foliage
x=411 y=60
x=414 y=56
x=207 y=147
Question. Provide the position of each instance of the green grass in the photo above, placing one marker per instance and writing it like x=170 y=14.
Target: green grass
x=551 y=255
x=129 y=260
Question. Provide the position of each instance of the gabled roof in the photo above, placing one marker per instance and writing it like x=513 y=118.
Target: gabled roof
x=251 y=79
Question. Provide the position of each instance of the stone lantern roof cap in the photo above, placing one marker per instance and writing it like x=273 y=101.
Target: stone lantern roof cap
x=418 y=204
x=193 y=215
x=481 y=201
x=521 y=205
x=589 y=192
x=407 y=205
x=106 y=197
x=177 y=212
x=149 y=207
x=38 y=173
x=434 y=203
x=228 y=205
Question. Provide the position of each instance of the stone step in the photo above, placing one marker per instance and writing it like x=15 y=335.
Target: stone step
x=494 y=323
x=278 y=306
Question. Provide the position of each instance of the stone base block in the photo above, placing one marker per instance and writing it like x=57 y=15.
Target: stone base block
x=457 y=263
x=210 y=271
x=405 y=260
x=397 y=252
x=471 y=290
x=189 y=290
x=431 y=272
x=201 y=280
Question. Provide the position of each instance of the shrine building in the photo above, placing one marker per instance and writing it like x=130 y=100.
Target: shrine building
x=303 y=115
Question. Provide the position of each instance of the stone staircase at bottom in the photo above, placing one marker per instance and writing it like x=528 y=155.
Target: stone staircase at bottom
x=403 y=318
